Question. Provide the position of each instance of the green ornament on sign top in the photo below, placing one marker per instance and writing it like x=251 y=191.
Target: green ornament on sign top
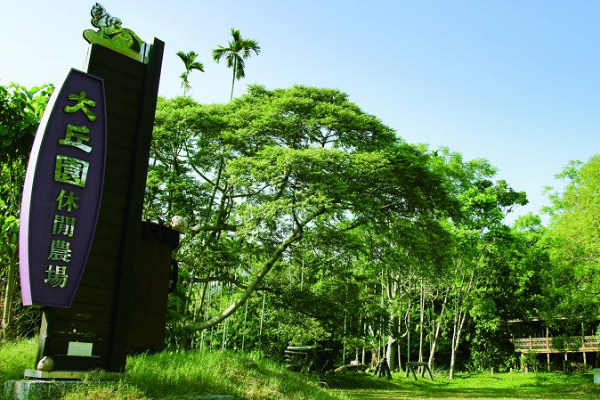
x=112 y=35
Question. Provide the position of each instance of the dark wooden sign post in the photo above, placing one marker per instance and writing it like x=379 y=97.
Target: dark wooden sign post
x=92 y=333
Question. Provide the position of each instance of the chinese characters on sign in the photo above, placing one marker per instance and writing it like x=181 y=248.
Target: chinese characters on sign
x=66 y=171
x=69 y=171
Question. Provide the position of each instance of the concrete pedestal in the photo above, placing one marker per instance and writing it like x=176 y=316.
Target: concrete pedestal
x=36 y=389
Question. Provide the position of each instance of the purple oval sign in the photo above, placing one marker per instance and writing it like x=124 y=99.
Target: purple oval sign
x=63 y=192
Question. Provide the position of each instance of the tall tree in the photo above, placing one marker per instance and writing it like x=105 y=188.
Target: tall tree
x=190 y=63
x=484 y=205
x=235 y=54
x=573 y=236
x=275 y=167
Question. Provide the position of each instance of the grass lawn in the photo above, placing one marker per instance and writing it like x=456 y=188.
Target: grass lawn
x=507 y=386
x=185 y=375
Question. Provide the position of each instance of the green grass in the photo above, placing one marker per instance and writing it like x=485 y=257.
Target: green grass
x=180 y=375
x=15 y=357
x=474 y=386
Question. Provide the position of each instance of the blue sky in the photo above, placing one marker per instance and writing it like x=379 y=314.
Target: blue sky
x=515 y=82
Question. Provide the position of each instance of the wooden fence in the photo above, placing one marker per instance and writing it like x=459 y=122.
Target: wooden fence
x=545 y=344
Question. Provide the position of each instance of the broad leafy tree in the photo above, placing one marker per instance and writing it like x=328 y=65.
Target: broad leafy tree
x=273 y=168
x=573 y=239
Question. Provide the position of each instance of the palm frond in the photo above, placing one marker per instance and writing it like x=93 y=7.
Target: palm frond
x=219 y=53
x=198 y=66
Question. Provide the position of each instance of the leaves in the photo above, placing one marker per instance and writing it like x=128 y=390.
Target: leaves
x=20 y=112
x=573 y=240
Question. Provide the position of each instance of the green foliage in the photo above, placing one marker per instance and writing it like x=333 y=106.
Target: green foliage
x=275 y=169
x=20 y=113
x=573 y=241
x=529 y=361
x=9 y=234
x=566 y=343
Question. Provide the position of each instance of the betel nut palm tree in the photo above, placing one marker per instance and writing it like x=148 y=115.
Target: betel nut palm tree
x=190 y=63
x=238 y=50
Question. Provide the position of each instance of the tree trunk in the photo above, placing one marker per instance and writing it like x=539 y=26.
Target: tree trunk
x=408 y=331
x=391 y=347
x=233 y=80
x=9 y=299
x=453 y=351
x=344 y=342
x=421 y=320
x=391 y=352
x=244 y=326
x=460 y=316
x=436 y=328
x=460 y=321
x=399 y=344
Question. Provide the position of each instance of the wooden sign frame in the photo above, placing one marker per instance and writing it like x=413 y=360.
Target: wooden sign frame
x=92 y=334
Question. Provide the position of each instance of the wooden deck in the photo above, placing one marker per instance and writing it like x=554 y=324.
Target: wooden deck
x=544 y=345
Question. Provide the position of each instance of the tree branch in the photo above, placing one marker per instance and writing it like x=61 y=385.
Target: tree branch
x=295 y=235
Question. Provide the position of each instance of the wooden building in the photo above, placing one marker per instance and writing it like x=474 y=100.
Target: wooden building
x=534 y=338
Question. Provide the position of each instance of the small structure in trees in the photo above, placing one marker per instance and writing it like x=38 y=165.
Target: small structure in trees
x=308 y=358
x=410 y=367
x=383 y=369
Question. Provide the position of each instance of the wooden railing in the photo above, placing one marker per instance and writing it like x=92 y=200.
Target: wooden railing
x=544 y=344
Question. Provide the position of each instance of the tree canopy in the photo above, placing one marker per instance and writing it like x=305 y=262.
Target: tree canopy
x=276 y=166
x=573 y=240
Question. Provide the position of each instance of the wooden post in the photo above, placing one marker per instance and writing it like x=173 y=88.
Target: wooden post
x=548 y=348
x=583 y=343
